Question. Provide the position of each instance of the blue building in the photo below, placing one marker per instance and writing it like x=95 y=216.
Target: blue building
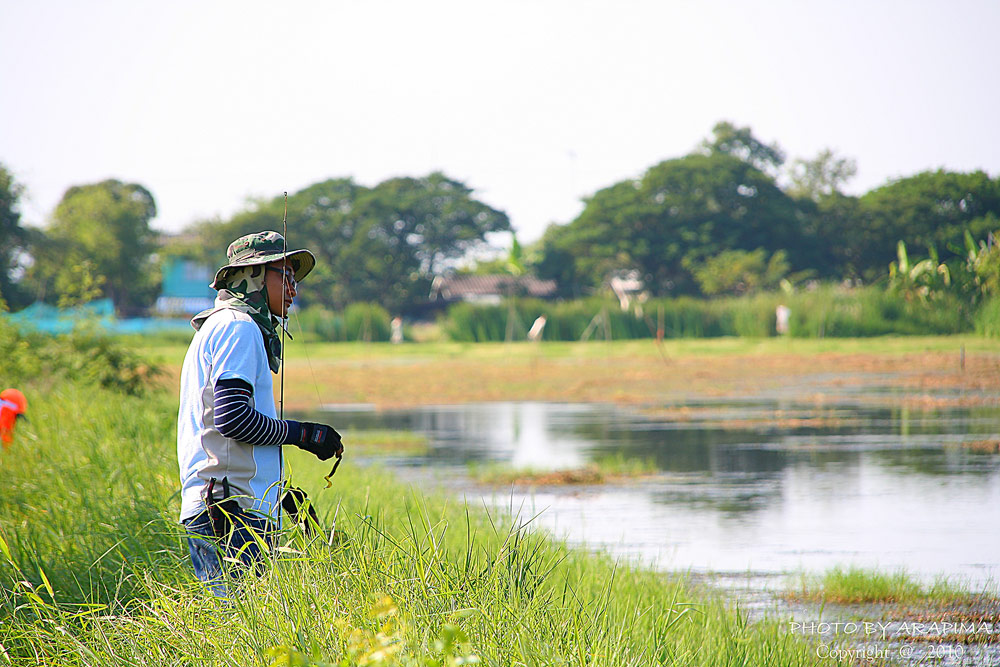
x=186 y=288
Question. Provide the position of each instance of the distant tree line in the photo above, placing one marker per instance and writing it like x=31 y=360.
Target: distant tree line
x=689 y=222
x=379 y=244
x=730 y=218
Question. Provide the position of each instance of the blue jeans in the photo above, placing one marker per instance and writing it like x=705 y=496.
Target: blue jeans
x=240 y=545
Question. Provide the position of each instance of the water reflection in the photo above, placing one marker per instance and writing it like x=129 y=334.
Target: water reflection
x=767 y=485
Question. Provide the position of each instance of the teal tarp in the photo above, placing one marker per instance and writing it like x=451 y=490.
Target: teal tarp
x=49 y=319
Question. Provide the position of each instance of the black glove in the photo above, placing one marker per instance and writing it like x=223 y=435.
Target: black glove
x=321 y=440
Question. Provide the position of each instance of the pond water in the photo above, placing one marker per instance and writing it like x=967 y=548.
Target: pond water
x=769 y=485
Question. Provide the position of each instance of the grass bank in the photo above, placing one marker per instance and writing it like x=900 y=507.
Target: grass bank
x=93 y=570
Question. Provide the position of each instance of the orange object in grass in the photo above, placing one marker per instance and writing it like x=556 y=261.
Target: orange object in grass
x=12 y=405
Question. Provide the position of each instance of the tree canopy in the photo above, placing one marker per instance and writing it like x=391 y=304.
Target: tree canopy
x=14 y=239
x=822 y=176
x=382 y=243
x=932 y=209
x=724 y=202
x=741 y=143
x=101 y=229
x=679 y=213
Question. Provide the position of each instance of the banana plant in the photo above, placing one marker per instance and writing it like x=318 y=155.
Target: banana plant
x=924 y=280
x=981 y=269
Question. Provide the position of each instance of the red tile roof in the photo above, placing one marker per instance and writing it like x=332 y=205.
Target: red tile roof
x=457 y=287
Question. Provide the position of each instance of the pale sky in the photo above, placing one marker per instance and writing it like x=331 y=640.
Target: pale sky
x=534 y=104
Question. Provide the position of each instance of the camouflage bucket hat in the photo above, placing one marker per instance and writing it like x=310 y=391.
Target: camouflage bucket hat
x=263 y=248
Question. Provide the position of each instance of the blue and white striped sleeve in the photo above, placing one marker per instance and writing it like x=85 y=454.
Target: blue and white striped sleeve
x=237 y=420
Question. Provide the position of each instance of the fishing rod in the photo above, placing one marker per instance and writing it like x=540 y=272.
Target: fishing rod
x=284 y=313
x=294 y=498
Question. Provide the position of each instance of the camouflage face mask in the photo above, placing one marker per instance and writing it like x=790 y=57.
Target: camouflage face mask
x=244 y=291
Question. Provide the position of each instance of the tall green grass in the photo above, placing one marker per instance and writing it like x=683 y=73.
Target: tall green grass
x=987 y=319
x=836 y=313
x=357 y=322
x=94 y=570
x=88 y=485
x=827 y=311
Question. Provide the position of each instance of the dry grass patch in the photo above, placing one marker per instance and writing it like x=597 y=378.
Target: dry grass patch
x=984 y=446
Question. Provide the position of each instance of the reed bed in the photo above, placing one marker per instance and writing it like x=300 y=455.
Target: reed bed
x=828 y=311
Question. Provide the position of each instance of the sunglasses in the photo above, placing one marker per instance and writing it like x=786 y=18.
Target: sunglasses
x=288 y=273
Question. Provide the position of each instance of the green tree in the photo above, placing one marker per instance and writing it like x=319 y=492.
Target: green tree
x=976 y=273
x=739 y=142
x=321 y=217
x=820 y=177
x=15 y=240
x=406 y=230
x=930 y=209
x=828 y=227
x=381 y=244
x=436 y=216
x=739 y=272
x=680 y=213
x=104 y=226
x=556 y=259
x=827 y=217
x=78 y=284
x=922 y=280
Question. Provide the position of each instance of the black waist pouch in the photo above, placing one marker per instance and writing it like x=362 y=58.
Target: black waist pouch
x=220 y=510
x=294 y=501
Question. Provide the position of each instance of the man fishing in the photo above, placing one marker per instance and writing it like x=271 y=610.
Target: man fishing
x=229 y=436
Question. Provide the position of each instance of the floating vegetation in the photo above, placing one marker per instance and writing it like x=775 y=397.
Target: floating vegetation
x=387 y=441
x=615 y=467
x=855 y=585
